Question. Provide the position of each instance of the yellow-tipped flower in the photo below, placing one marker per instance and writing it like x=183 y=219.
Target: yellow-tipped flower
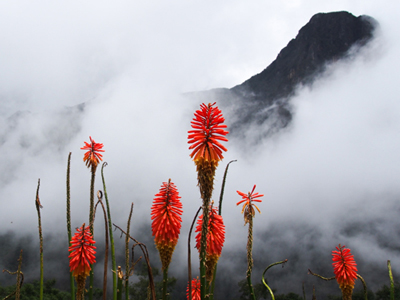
x=166 y=215
x=248 y=206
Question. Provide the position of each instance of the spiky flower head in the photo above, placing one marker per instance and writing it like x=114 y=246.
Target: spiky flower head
x=248 y=206
x=92 y=157
x=215 y=239
x=196 y=295
x=344 y=267
x=82 y=252
x=208 y=130
x=166 y=215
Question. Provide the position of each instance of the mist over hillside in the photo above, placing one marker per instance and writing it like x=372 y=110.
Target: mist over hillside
x=329 y=168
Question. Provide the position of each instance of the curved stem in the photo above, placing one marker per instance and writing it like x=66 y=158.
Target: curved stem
x=263 y=279
x=189 y=255
x=114 y=264
x=319 y=276
x=221 y=196
x=391 y=281
x=99 y=196
x=364 y=285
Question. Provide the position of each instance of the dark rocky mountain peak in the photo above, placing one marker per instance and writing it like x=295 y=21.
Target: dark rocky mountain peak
x=265 y=97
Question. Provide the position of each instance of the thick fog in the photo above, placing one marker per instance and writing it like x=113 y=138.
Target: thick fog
x=117 y=72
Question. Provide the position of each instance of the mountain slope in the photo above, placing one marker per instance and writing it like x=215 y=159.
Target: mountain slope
x=326 y=38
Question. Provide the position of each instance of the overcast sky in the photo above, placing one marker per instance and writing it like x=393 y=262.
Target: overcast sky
x=130 y=63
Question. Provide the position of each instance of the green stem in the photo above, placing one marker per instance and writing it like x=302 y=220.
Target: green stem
x=91 y=221
x=99 y=196
x=119 y=285
x=203 y=249
x=71 y=277
x=250 y=256
x=221 y=197
x=265 y=283
x=189 y=255
x=165 y=281
x=18 y=286
x=127 y=269
x=38 y=206
x=114 y=264
x=391 y=281
x=321 y=277
x=365 y=287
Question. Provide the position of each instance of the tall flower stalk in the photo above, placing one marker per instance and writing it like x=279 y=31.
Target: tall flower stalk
x=215 y=240
x=208 y=131
x=113 y=261
x=249 y=213
x=92 y=158
x=82 y=258
x=71 y=278
x=166 y=215
x=38 y=207
x=344 y=267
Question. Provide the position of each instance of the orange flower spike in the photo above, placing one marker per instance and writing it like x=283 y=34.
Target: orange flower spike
x=166 y=215
x=92 y=157
x=195 y=290
x=345 y=270
x=208 y=130
x=248 y=203
x=344 y=266
x=82 y=252
x=215 y=240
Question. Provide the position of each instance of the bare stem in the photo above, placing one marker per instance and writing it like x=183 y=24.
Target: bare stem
x=189 y=254
x=146 y=257
x=38 y=207
x=127 y=268
x=99 y=197
x=264 y=281
x=71 y=277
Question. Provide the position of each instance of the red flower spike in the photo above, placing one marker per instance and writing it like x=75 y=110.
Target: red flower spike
x=81 y=252
x=215 y=240
x=208 y=130
x=216 y=233
x=166 y=215
x=344 y=266
x=248 y=203
x=195 y=289
x=92 y=157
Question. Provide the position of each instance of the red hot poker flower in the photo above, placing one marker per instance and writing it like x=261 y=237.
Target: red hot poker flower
x=207 y=131
x=344 y=266
x=195 y=289
x=215 y=240
x=248 y=200
x=82 y=252
x=92 y=157
x=216 y=233
x=166 y=215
